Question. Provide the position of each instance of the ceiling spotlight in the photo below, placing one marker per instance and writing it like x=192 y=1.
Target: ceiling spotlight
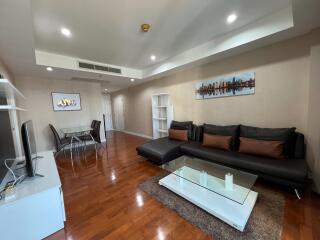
x=153 y=57
x=66 y=32
x=231 y=18
x=132 y=80
x=106 y=89
x=49 y=69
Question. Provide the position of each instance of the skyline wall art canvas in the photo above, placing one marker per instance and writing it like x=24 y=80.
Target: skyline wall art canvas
x=226 y=86
x=66 y=101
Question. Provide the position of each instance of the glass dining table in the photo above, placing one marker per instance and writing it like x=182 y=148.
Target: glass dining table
x=75 y=133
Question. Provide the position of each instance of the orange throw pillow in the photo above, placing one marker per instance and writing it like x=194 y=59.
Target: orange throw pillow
x=272 y=149
x=216 y=141
x=180 y=135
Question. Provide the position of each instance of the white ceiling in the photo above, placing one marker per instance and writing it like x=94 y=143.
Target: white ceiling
x=183 y=33
x=108 y=31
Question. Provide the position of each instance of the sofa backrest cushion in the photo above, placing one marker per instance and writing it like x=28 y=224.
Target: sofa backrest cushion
x=231 y=130
x=180 y=135
x=217 y=141
x=188 y=125
x=300 y=147
x=265 y=148
x=286 y=135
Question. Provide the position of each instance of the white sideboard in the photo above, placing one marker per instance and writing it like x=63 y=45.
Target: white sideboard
x=37 y=210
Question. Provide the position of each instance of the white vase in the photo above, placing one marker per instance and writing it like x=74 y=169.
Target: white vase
x=228 y=181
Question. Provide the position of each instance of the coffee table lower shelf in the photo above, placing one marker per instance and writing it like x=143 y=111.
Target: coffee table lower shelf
x=231 y=212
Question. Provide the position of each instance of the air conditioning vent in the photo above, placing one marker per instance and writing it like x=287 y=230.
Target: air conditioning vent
x=86 y=65
x=99 y=67
x=115 y=70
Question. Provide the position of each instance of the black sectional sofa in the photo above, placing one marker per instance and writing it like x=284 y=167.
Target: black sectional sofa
x=290 y=172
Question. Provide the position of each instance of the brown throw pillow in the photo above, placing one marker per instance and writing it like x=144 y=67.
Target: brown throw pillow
x=272 y=149
x=216 y=141
x=180 y=135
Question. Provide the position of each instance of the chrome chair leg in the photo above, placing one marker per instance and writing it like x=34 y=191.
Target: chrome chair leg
x=95 y=143
x=71 y=146
x=64 y=152
x=297 y=193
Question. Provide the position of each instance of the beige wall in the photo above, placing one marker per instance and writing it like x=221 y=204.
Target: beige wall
x=281 y=99
x=39 y=104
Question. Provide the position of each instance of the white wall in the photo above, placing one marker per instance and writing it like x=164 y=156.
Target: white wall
x=39 y=104
x=313 y=150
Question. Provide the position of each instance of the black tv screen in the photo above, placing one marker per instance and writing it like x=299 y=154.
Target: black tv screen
x=30 y=149
x=7 y=150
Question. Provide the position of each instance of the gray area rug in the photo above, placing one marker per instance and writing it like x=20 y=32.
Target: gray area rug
x=265 y=221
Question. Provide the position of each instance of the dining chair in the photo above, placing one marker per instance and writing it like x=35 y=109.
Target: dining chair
x=94 y=133
x=60 y=143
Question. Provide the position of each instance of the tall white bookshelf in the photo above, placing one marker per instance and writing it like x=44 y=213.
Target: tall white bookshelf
x=162 y=114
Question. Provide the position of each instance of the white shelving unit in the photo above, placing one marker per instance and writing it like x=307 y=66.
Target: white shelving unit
x=12 y=100
x=11 y=95
x=162 y=114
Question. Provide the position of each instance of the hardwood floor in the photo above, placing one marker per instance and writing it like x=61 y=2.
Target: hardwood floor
x=103 y=201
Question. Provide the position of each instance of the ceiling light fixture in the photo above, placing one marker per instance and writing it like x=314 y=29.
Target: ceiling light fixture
x=145 y=27
x=132 y=80
x=66 y=32
x=153 y=57
x=49 y=69
x=106 y=89
x=231 y=18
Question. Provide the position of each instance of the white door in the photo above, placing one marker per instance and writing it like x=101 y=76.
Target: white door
x=108 y=113
x=118 y=114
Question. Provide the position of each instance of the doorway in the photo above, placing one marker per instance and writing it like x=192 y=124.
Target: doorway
x=118 y=114
x=108 y=125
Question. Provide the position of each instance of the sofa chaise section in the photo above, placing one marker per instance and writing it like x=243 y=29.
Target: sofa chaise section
x=160 y=150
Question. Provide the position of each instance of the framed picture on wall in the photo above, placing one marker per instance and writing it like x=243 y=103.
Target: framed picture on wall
x=226 y=86
x=66 y=101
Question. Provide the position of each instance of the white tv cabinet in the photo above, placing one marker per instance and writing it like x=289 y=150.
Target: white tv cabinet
x=37 y=210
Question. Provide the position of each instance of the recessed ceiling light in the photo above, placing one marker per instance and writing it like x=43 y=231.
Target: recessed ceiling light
x=66 y=32
x=132 y=80
x=231 y=18
x=106 y=89
x=50 y=69
x=153 y=57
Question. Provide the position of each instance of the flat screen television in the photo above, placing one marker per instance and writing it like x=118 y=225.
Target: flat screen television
x=29 y=146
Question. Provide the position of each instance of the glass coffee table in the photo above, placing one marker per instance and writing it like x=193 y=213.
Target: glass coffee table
x=222 y=191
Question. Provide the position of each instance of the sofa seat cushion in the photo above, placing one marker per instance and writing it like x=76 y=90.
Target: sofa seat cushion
x=161 y=150
x=291 y=169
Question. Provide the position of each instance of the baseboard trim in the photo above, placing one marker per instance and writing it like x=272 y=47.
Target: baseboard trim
x=135 y=134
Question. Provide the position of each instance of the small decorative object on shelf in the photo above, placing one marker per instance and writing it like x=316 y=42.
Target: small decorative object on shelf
x=228 y=182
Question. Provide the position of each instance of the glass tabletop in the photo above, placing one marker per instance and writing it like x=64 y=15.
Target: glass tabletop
x=76 y=130
x=227 y=182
